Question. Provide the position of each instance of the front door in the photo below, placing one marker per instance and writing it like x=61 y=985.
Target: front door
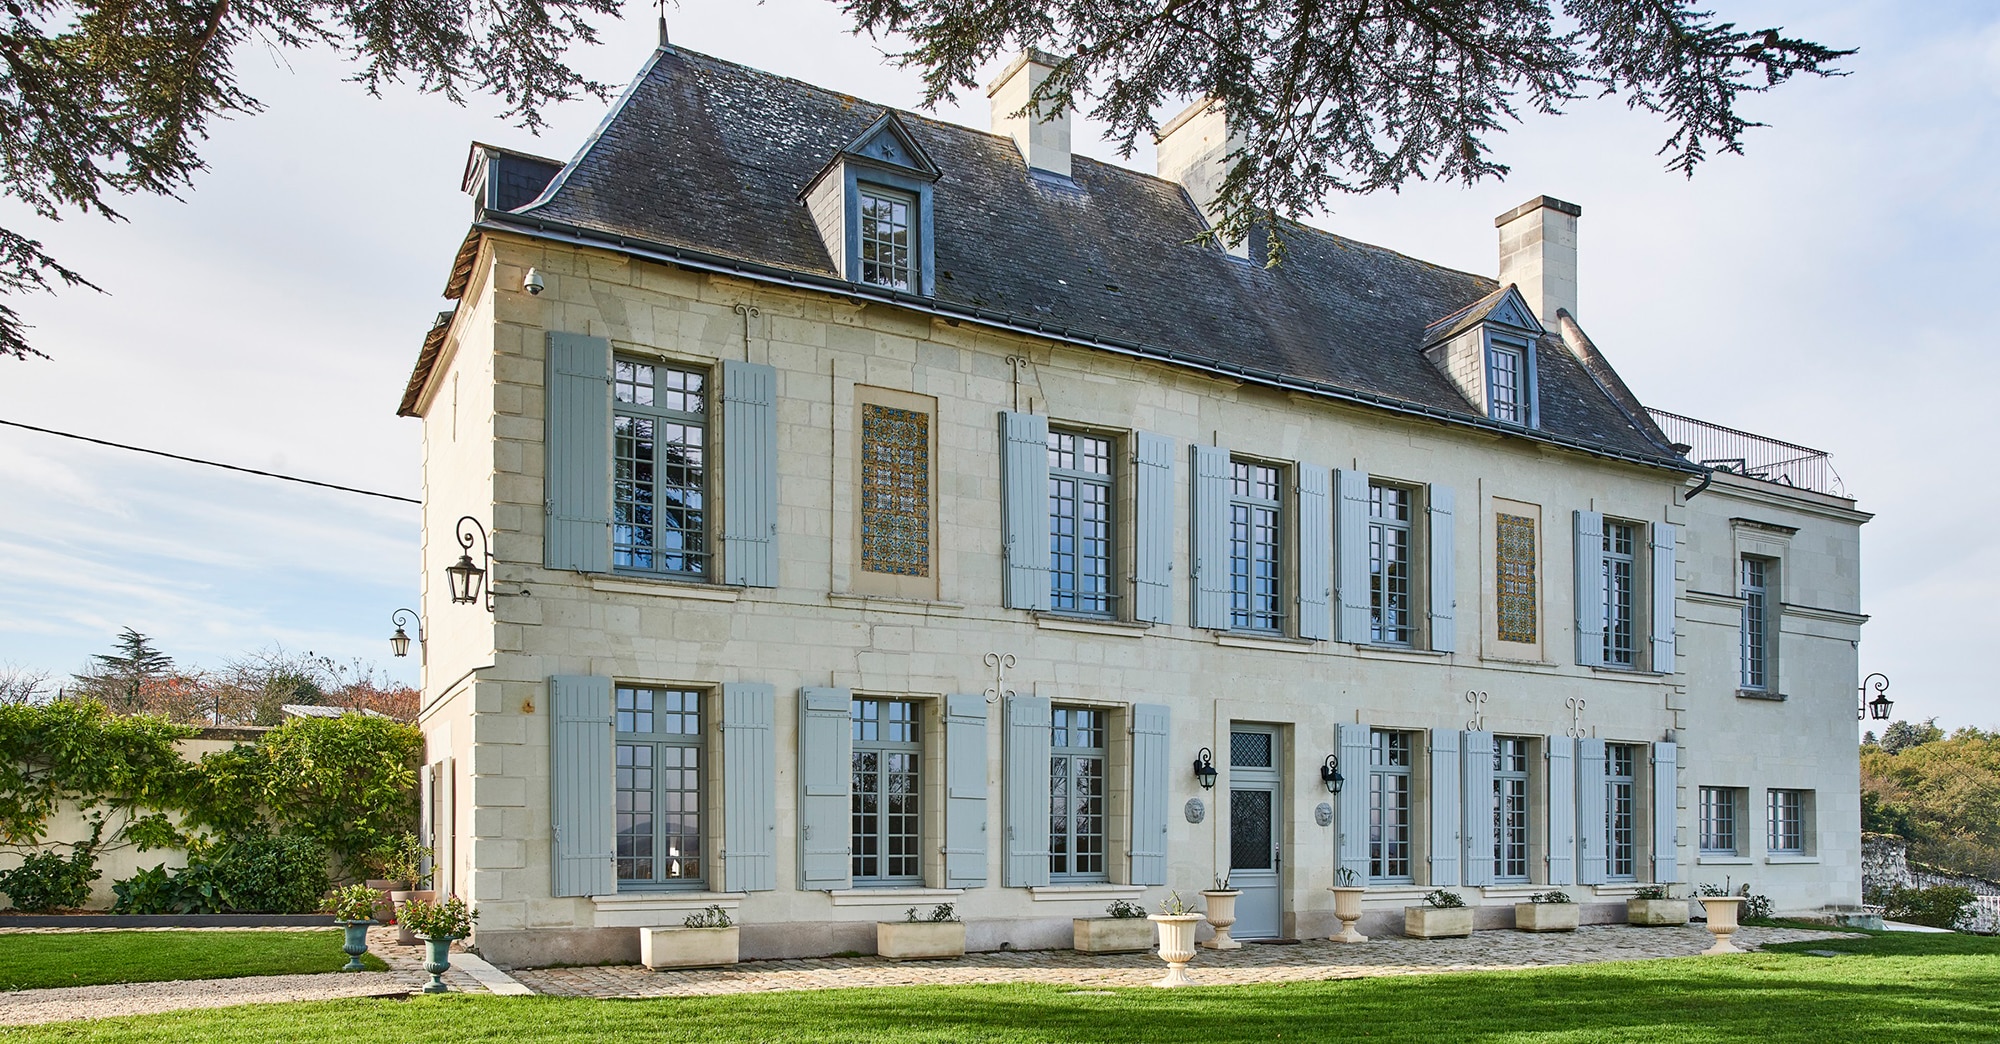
x=1255 y=833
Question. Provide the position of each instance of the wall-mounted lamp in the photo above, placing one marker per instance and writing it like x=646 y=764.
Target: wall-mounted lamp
x=1204 y=769
x=1877 y=708
x=468 y=579
x=1329 y=774
x=399 y=643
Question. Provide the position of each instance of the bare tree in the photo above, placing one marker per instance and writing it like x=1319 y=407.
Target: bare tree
x=21 y=685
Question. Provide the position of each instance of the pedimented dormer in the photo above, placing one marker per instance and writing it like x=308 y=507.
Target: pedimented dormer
x=872 y=205
x=1487 y=351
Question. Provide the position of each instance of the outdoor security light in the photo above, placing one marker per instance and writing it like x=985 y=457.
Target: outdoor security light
x=1329 y=774
x=467 y=578
x=1204 y=769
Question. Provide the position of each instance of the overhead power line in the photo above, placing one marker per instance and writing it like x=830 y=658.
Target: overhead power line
x=210 y=463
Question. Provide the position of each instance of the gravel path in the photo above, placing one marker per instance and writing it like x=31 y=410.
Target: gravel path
x=144 y=998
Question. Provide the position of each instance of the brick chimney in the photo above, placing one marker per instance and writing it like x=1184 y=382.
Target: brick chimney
x=1538 y=254
x=1194 y=150
x=1042 y=138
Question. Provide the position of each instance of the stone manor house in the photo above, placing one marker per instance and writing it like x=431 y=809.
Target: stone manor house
x=885 y=513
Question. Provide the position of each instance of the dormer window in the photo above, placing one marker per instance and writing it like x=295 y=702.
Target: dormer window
x=872 y=206
x=1487 y=351
x=888 y=233
x=1506 y=370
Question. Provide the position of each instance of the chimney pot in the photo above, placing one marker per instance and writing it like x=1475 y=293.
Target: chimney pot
x=1538 y=254
x=1042 y=138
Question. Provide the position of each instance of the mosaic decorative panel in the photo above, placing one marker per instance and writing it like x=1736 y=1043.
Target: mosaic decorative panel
x=895 y=491
x=1514 y=556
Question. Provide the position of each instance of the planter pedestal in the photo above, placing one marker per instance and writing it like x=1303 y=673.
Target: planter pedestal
x=437 y=961
x=355 y=944
x=1347 y=907
x=1176 y=945
x=1222 y=914
x=1722 y=911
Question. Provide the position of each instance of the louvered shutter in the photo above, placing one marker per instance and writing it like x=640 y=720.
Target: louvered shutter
x=1350 y=556
x=1027 y=789
x=1589 y=588
x=1153 y=543
x=1666 y=826
x=576 y=443
x=965 y=791
x=1444 y=594
x=1476 y=775
x=1665 y=536
x=1592 y=825
x=826 y=766
x=1560 y=758
x=1209 y=532
x=1315 y=582
x=749 y=474
x=1024 y=509
x=1151 y=769
x=1352 y=844
x=580 y=798
x=749 y=787
x=1446 y=820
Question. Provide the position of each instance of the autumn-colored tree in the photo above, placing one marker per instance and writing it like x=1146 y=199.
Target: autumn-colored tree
x=1942 y=794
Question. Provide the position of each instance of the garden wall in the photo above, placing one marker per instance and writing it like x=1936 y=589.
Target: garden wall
x=1885 y=864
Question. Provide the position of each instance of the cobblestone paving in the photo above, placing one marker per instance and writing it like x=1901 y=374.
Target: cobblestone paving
x=1311 y=960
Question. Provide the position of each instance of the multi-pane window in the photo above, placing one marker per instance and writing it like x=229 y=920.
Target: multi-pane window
x=1620 y=811
x=1514 y=566
x=1718 y=820
x=1389 y=762
x=1079 y=522
x=658 y=468
x=1617 y=591
x=1756 y=625
x=886 y=802
x=1076 y=794
x=1255 y=587
x=1505 y=382
x=1510 y=808
x=1390 y=610
x=1787 y=816
x=657 y=780
x=888 y=230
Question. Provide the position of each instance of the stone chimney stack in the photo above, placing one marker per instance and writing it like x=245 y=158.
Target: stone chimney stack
x=1043 y=139
x=1538 y=254
x=1194 y=150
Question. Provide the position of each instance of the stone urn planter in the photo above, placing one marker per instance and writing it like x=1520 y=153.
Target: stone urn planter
x=405 y=937
x=690 y=947
x=355 y=944
x=437 y=961
x=1656 y=912
x=1347 y=907
x=1431 y=922
x=1222 y=914
x=1546 y=917
x=919 y=940
x=1176 y=945
x=1112 y=934
x=1722 y=911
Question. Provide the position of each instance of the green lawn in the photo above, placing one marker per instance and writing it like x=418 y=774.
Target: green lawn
x=94 y=958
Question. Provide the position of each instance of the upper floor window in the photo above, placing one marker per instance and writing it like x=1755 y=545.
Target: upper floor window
x=1079 y=523
x=1077 y=794
x=658 y=748
x=886 y=841
x=888 y=235
x=1390 y=759
x=1255 y=582
x=1391 y=611
x=1507 y=380
x=1756 y=624
x=1619 y=544
x=659 y=468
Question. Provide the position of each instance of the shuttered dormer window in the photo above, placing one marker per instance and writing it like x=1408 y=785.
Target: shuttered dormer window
x=888 y=233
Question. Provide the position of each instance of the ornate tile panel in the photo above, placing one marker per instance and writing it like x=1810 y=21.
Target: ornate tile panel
x=1514 y=555
x=895 y=491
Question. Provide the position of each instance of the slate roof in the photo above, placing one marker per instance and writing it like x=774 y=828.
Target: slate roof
x=707 y=156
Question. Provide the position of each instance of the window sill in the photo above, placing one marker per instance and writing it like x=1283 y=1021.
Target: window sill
x=1272 y=643
x=1620 y=890
x=1722 y=860
x=1083 y=892
x=892 y=895
x=1397 y=652
x=1514 y=662
x=1515 y=891
x=1631 y=674
x=626 y=584
x=1090 y=625
x=653 y=909
x=1399 y=892
x=1792 y=860
x=893 y=604
x=1756 y=694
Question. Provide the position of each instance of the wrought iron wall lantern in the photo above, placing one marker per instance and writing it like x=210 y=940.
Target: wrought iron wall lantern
x=468 y=578
x=399 y=643
x=1329 y=774
x=1877 y=708
x=1204 y=769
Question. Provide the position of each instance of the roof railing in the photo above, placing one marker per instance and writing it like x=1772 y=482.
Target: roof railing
x=1752 y=456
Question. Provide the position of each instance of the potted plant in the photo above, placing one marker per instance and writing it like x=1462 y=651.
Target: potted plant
x=1721 y=909
x=707 y=938
x=1222 y=913
x=937 y=934
x=1176 y=923
x=353 y=909
x=1650 y=906
x=1552 y=911
x=1443 y=915
x=1124 y=931
x=437 y=924
x=407 y=864
x=1347 y=904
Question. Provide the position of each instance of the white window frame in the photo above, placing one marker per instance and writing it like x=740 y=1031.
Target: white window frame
x=627 y=716
x=1101 y=602
x=912 y=266
x=692 y=422
x=1788 y=822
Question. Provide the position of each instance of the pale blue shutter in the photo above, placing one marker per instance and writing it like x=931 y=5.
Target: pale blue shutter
x=1592 y=826
x=1476 y=756
x=1152 y=768
x=1026 y=765
x=580 y=797
x=1446 y=819
x=826 y=766
x=1315 y=553
x=1153 y=543
x=1351 y=847
x=1666 y=827
x=1589 y=588
x=1024 y=509
x=1561 y=774
x=1665 y=535
x=749 y=787
x=1444 y=594
x=964 y=791
x=1209 y=533
x=1350 y=555
x=577 y=446
x=749 y=474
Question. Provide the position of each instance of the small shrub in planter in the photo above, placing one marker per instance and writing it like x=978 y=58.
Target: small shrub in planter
x=1124 y=930
x=354 y=908
x=437 y=924
x=937 y=934
x=706 y=938
x=1443 y=915
x=46 y=881
x=1551 y=911
x=1650 y=906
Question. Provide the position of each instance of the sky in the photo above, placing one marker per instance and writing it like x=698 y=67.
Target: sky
x=1831 y=287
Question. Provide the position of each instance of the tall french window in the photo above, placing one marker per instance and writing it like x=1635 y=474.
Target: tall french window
x=888 y=228
x=658 y=786
x=1079 y=523
x=1256 y=588
x=1389 y=565
x=1510 y=808
x=1076 y=795
x=658 y=468
x=1620 y=811
x=1389 y=763
x=887 y=803
x=1756 y=625
x=1617 y=590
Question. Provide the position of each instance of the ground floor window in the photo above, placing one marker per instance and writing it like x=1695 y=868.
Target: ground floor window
x=1620 y=812
x=1389 y=764
x=1510 y=808
x=1787 y=815
x=658 y=786
x=887 y=804
x=1718 y=820
x=1076 y=794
